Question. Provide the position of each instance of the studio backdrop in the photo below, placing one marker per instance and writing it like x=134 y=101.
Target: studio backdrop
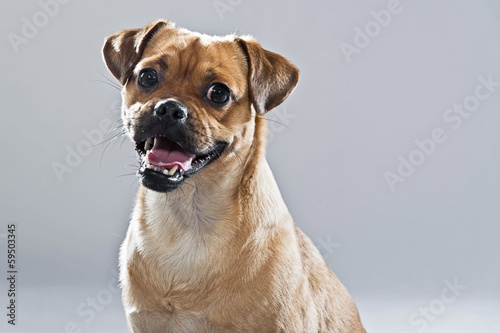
x=387 y=154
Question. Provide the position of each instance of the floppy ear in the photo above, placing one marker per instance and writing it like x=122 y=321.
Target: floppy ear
x=271 y=77
x=122 y=50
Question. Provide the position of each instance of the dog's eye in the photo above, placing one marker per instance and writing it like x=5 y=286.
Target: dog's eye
x=218 y=93
x=148 y=78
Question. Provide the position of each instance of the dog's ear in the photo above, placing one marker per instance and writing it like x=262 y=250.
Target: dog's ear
x=271 y=77
x=123 y=50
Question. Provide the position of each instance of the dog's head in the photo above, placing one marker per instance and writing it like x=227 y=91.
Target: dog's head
x=191 y=100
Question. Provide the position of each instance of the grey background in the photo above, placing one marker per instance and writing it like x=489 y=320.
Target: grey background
x=346 y=125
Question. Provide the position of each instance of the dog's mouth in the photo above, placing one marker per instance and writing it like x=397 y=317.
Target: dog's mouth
x=165 y=165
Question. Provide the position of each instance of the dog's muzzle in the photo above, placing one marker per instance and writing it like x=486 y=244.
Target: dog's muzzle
x=167 y=154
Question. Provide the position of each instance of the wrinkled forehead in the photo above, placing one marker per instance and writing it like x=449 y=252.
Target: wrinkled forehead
x=187 y=55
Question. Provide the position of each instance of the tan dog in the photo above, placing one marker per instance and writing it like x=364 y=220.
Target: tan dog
x=211 y=246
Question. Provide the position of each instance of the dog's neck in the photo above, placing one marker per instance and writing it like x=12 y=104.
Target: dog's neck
x=205 y=203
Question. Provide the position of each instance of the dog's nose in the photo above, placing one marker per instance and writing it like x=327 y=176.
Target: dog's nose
x=171 y=110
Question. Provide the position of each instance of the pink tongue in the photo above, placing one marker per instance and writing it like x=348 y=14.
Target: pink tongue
x=166 y=153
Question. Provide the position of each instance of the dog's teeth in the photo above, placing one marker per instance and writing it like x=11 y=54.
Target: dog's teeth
x=172 y=171
x=165 y=172
x=149 y=144
x=147 y=155
x=150 y=166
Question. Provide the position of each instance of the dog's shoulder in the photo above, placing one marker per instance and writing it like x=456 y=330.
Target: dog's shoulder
x=329 y=295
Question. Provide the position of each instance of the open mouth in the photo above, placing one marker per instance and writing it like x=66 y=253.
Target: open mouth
x=165 y=165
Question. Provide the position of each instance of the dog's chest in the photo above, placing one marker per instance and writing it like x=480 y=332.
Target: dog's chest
x=150 y=322
x=162 y=300
x=163 y=272
x=164 y=266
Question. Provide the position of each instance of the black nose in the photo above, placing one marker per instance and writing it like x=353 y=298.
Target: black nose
x=172 y=110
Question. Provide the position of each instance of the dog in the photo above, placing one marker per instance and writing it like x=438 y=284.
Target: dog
x=211 y=246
